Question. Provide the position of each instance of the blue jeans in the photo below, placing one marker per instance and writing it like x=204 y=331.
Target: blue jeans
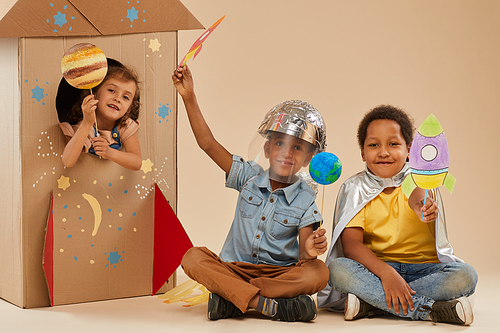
x=432 y=282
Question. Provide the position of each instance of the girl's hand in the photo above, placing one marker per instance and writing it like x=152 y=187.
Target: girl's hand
x=183 y=81
x=101 y=147
x=89 y=105
x=316 y=243
x=428 y=212
x=397 y=291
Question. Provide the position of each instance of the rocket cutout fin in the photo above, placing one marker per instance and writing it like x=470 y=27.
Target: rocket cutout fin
x=429 y=159
x=170 y=241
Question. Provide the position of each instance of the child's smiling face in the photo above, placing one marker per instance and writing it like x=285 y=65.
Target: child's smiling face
x=384 y=150
x=287 y=155
x=115 y=98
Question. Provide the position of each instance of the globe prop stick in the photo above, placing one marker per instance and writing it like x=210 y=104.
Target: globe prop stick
x=325 y=169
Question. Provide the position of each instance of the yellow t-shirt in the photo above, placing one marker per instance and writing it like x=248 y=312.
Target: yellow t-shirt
x=394 y=232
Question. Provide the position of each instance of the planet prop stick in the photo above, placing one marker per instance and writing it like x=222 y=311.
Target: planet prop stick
x=325 y=169
x=84 y=66
x=429 y=160
x=196 y=47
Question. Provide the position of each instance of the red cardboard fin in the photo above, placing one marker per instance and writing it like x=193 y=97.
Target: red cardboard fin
x=170 y=241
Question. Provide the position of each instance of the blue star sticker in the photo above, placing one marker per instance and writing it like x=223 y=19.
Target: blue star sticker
x=60 y=19
x=163 y=111
x=132 y=14
x=114 y=258
x=37 y=93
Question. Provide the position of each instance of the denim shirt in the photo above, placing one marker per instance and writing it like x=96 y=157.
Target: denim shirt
x=266 y=223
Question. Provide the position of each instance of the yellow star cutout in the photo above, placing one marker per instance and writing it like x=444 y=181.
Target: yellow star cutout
x=154 y=45
x=147 y=166
x=63 y=183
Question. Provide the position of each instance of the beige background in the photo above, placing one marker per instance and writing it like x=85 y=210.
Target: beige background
x=346 y=57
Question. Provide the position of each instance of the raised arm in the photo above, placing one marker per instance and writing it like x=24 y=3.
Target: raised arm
x=183 y=82
x=75 y=145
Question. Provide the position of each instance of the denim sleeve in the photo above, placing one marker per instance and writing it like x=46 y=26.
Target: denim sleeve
x=311 y=216
x=239 y=173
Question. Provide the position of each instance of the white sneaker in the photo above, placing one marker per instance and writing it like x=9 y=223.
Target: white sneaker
x=356 y=308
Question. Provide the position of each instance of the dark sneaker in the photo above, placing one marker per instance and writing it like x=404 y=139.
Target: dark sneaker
x=356 y=308
x=300 y=308
x=458 y=311
x=220 y=308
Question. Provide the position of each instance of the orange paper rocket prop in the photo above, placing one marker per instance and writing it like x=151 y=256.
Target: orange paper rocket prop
x=196 y=47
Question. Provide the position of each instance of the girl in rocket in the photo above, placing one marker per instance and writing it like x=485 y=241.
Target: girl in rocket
x=390 y=253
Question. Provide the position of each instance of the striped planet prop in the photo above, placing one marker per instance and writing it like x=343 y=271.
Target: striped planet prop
x=84 y=66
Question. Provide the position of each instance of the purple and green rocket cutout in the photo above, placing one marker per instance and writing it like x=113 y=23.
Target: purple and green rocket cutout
x=429 y=159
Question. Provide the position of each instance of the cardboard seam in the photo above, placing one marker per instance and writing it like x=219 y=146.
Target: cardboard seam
x=92 y=24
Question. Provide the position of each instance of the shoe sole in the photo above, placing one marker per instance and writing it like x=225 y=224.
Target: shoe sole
x=352 y=307
x=467 y=310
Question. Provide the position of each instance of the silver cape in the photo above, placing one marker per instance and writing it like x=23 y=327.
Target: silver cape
x=353 y=195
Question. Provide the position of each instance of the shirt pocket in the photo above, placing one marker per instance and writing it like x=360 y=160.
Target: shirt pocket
x=284 y=225
x=249 y=204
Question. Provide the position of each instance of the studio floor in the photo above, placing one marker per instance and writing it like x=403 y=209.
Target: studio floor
x=150 y=314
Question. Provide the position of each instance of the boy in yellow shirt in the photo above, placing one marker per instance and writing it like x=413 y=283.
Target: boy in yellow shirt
x=388 y=258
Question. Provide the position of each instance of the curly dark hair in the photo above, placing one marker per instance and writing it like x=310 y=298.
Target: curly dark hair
x=118 y=71
x=389 y=112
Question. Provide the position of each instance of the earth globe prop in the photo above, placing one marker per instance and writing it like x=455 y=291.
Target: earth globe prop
x=325 y=169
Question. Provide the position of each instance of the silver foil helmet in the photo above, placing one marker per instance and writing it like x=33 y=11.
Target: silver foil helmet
x=296 y=118
x=286 y=157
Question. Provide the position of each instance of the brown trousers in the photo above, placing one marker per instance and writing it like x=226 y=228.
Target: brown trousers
x=239 y=282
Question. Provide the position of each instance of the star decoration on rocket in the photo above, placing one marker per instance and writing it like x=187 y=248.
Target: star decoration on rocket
x=154 y=45
x=63 y=183
x=37 y=93
x=60 y=19
x=132 y=14
x=147 y=166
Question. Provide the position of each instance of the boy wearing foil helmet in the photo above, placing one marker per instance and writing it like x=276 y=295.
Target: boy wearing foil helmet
x=262 y=265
